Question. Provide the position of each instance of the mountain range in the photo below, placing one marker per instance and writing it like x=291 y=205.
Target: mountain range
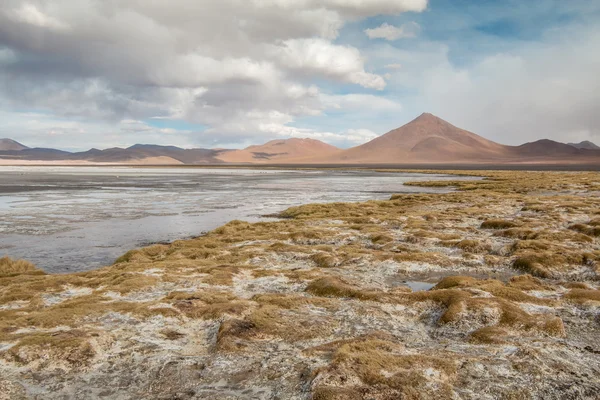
x=425 y=140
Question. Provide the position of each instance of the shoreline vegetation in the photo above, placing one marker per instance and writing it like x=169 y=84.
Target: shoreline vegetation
x=317 y=304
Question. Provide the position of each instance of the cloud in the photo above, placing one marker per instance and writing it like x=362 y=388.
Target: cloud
x=540 y=90
x=234 y=67
x=320 y=57
x=390 y=32
x=30 y=14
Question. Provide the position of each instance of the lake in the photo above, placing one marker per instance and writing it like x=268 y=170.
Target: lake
x=67 y=219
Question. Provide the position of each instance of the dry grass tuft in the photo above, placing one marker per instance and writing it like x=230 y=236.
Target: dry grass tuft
x=207 y=304
x=71 y=346
x=9 y=268
x=488 y=335
x=582 y=296
x=380 y=366
x=528 y=282
x=324 y=260
x=498 y=224
x=381 y=238
x=532 y=264
x=473 y=246
x=331 y=286
x=586 y=229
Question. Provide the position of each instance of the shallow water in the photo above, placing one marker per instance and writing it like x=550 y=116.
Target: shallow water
x=78 y=218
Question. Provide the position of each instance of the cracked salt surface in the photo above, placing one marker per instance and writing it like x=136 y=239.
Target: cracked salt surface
x=67 y=219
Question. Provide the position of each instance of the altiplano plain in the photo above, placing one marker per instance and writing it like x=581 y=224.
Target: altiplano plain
x=319 y=303
x=299 y=200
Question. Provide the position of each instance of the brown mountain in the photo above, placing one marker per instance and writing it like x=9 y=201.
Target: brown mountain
x=292 y=150
x=431 y=140
x=426 y=139
x=586 y=144
x=136 y=154
x=11 y=145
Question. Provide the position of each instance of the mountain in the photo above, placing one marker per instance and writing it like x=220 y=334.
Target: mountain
x=292 y=150
x=546 y=148
x=430 y=140
x=426 y=139
x=11 y=145
x=149 y=152
x=137 y=154
x=586 y=144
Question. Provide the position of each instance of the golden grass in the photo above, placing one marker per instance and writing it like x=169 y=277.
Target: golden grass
x=382 y=364
x=70 y=346
x=324 y=260
x=586 y=229
x=454 y=295
x=488 y=335
x=9 y=268
x=207 y=304
x=473 y=246
x=533 y=264
x=582 y=296
x=524 y=215
x=331 y=286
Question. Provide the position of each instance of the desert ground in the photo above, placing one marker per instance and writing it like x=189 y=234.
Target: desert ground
x=487 y=292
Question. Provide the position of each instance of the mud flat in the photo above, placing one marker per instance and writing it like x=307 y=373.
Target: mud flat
x=319 y=305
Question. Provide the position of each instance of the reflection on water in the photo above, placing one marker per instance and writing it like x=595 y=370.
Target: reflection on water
x=74 y=218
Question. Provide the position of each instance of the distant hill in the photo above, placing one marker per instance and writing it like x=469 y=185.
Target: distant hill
x=586 y=144
x=146 y=151
x=137 y=154
x=546 y=148
x=292 y=150
x=11 y=145
x=425 y=140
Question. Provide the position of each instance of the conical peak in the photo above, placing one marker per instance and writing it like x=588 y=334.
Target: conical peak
x=428 y=117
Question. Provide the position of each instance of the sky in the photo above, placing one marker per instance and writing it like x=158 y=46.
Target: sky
x=76 y=74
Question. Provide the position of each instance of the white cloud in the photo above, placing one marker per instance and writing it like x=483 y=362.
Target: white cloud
x=390 y=32
x=318 y=56
x=30 y=14
x=234 y=67
x=540 y=89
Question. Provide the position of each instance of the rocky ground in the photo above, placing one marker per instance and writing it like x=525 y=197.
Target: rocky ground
x=320 y=304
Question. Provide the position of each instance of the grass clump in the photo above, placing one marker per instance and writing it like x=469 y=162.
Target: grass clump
x=10 y=268
x=207 y=304
x=335 y=287
x=528 y=282
x=532 y=264
x=498 y=224
x=582 y=296
x=473 y=246
x=586 y=229
x=324 y=260
x=71 y=346
x=454 y=293
x=381 y=238
x=378 y=365
x=231 y=332
x=488 y=335
x=516 y=233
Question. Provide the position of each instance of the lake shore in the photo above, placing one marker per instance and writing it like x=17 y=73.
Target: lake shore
x=320 y=304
